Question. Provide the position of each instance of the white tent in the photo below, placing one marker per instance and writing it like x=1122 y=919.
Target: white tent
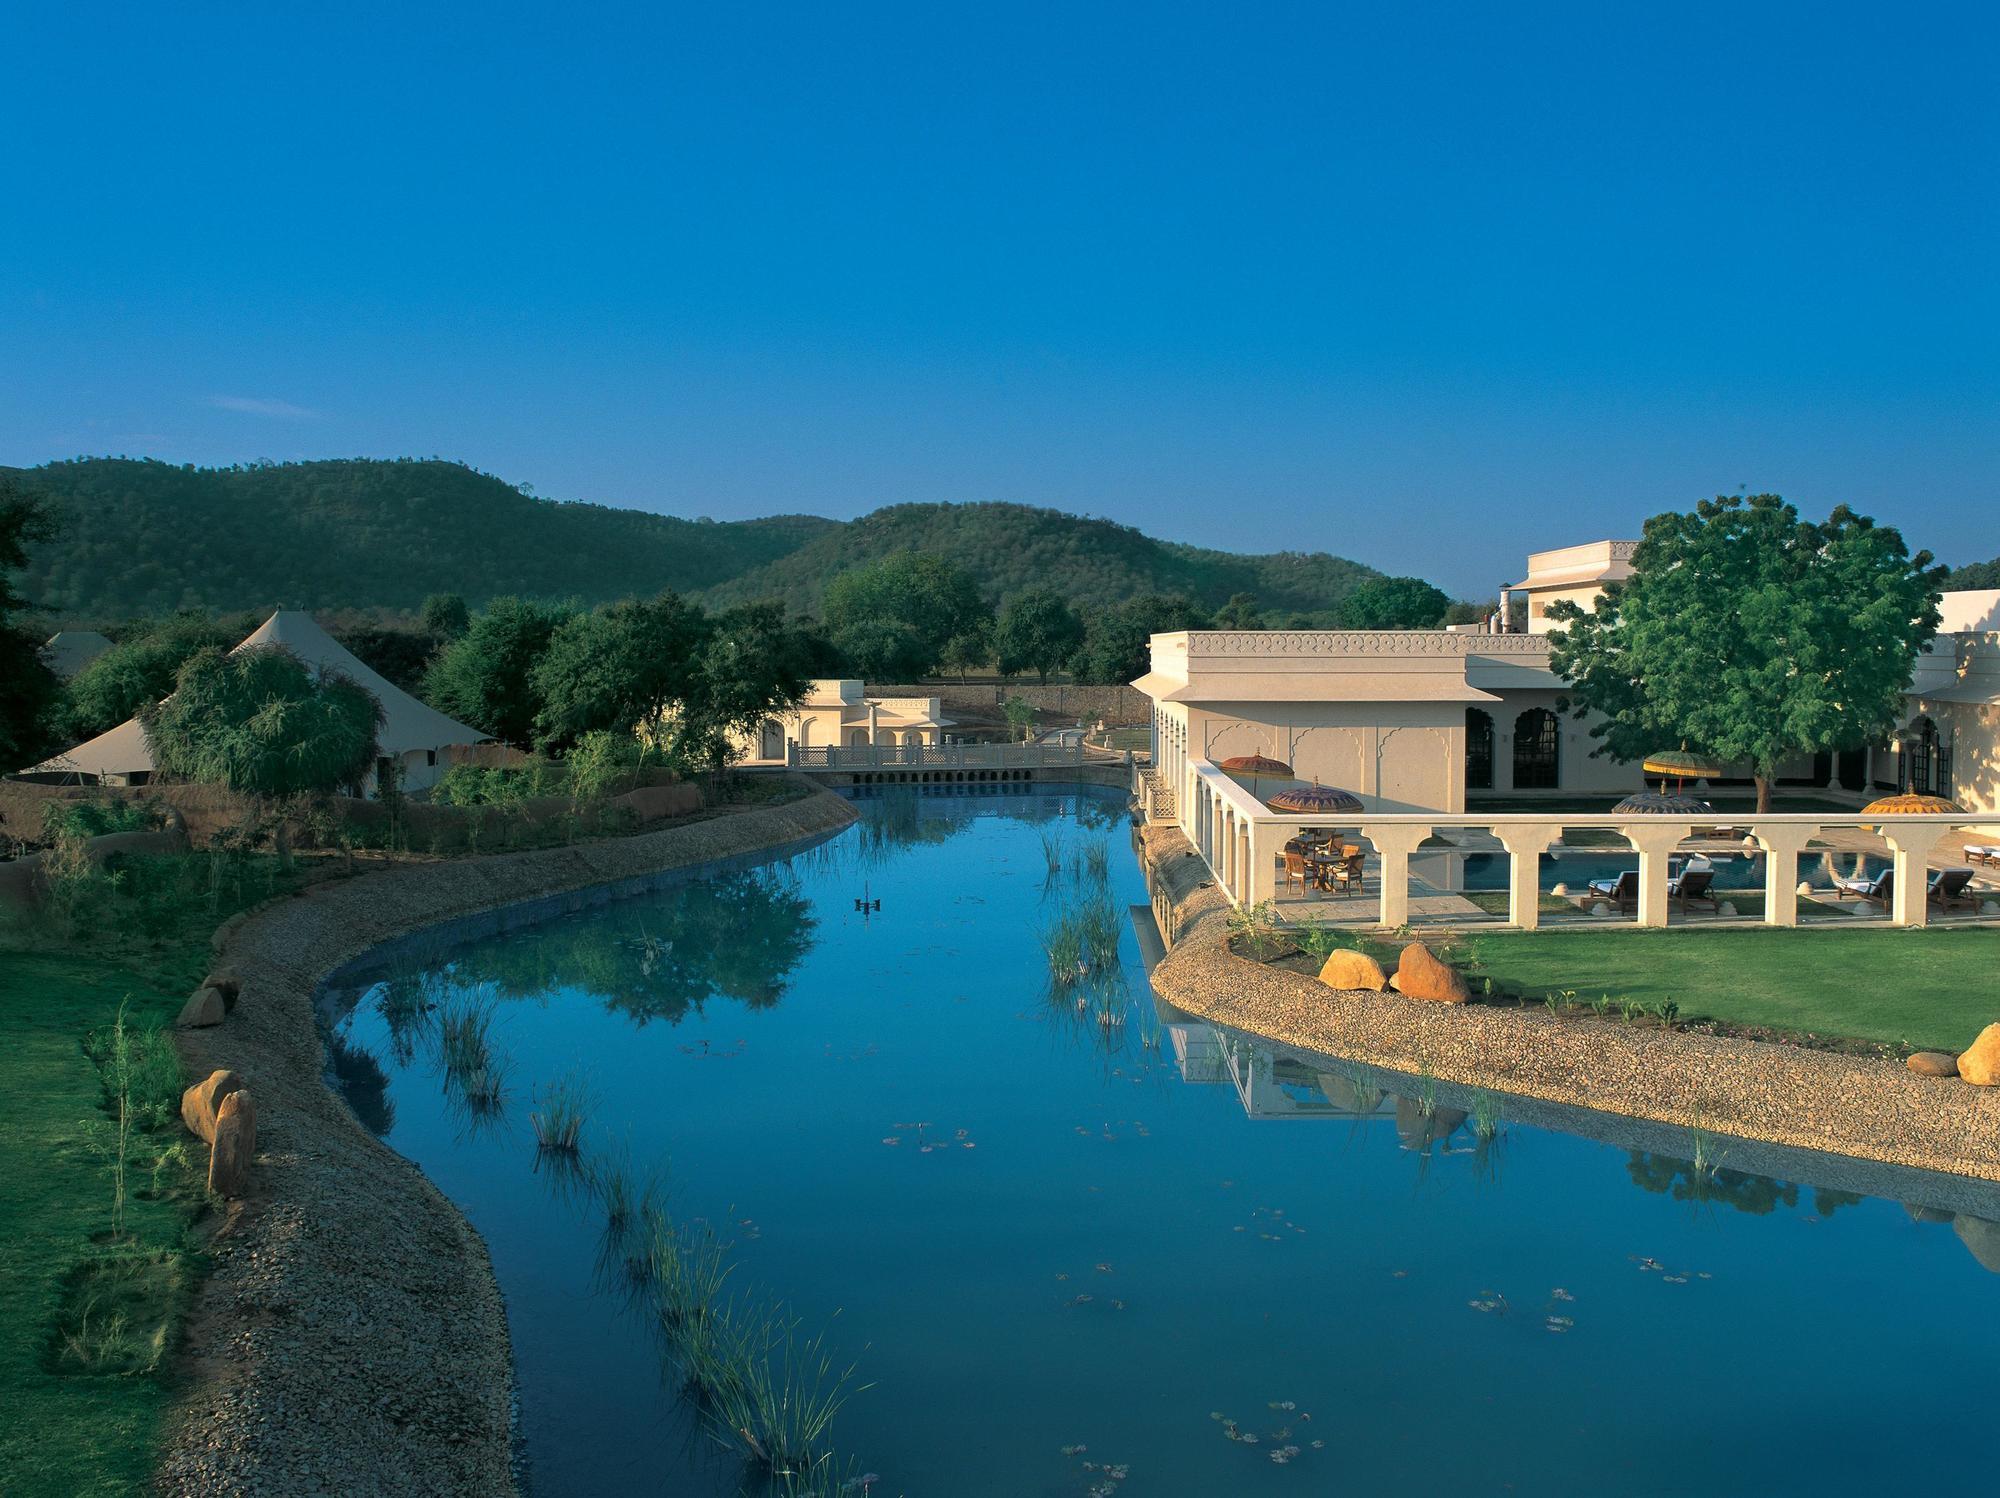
x=68 y=651
x=411 y=732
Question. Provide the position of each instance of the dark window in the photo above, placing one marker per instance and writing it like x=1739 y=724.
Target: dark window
x=1478 y=750
x=431 y=757
x=1537 y=750
x=1920 y=756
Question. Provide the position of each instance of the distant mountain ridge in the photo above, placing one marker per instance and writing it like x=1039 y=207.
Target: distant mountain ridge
x=142 y=536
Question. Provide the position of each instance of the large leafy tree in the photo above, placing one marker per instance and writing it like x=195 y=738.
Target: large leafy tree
x=445 y=617
x=1117 y=642
x=263 y=722
x=1037 y=632
x=616 y=668
x=1751 y=634
x=1393 y=603
x=486 y=677
x=139 y=670
x=902 y=617
x=752 y=663
x=29 y=691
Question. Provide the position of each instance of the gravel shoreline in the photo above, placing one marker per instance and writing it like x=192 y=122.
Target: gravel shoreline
x=350 y=1337
x=1774 y=1094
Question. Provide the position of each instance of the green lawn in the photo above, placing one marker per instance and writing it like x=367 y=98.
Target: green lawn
x=70 y=1433
x=1934 y=988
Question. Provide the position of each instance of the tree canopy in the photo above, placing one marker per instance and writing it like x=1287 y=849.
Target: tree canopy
x=1037 y=632
x=1394 y=603
x=1117 y=639
x=1750 y=634
x=139 y=670
x=29 y=690
x=1974 y=576
x=898 y=619
x=486 y=676
x=262 y=721
x=615 y=668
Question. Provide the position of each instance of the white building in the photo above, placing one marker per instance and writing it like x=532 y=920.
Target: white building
x=839 y=713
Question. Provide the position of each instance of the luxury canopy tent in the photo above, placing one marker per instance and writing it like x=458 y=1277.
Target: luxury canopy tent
x=416 y=736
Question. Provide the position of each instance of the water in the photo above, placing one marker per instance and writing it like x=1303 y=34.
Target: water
x=1733 y=871
x=1138 y=1238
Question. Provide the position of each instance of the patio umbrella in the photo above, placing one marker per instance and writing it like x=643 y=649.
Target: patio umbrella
x=1680 y=765
x=1907 y=802
x=1255 y=767
x=1313 y=799
x=1665 y=804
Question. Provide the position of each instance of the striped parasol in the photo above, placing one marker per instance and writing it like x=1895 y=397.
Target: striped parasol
x=1682 y=764
x=1314 y=799
x=1665 y=804
x=1910 y=803
x=1255 y=767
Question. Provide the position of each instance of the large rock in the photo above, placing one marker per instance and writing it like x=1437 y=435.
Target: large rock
x=1345 y=969
x=1980 y=1063
x=205 y=1006
x=1981 y=1237
x=1933 y=1064
x=202 y=1102
x=227 y=984
x=235 y=1142
x=1421 y=975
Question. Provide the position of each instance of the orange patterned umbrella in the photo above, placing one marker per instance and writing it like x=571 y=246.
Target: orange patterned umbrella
x=1909 y=803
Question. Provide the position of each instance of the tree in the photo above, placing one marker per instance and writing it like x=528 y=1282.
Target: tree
x=1750 y=635
x=1975 y=575
x=1037 y=632
x=753 y=663
x=1239 y=613
x=897 y=619
x=1117 y=642
x=615 y=669
x=29 y=690
x=262 y=721
x=139 y=670
x=1393 y=603
x=486 y=677
x=445 y=617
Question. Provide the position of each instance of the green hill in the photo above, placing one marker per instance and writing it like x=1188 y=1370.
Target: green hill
x=1011 y=547
x=140 y=536
x=143 y=537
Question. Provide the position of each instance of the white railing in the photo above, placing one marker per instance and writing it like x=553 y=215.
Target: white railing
x=934 y=756
x=1241 y=839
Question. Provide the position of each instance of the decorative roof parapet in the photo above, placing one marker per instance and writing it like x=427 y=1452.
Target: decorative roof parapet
x=1321 y=642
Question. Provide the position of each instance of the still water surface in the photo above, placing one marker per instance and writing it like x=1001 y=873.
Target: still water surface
x=1033 y=1234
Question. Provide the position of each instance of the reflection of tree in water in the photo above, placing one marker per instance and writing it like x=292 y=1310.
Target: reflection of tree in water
x=895 y=820
x=363 y=1083
x=736 y=935
x=1739 y=1190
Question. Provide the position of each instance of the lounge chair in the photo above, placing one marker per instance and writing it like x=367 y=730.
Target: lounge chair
x=1882 y=887
x=1987 y=853
x=1623 y=891
x=1948 y=888
x=1694 y=887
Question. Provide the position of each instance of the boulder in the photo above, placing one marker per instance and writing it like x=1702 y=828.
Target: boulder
x=204 y=1007
x=201 y=1102
x=1345 y=969
x=226 y=984
x=235 y=1142
x=1421 y=975
x=1980 y=1063
x=1933 y=1064
x=1981 y=1238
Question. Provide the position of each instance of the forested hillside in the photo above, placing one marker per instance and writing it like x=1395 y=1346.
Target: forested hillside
x=144 y=537
x=1089 y=562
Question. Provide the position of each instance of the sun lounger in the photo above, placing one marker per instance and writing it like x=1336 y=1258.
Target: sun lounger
x=1694 y=886
x=1948 y=888
x=1882 y=887
x=1986 y=853
x=1624 y=890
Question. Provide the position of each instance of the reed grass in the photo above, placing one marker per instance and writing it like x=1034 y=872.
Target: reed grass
x=559 y=1113
x=470 y=1063
x=1485 y=1115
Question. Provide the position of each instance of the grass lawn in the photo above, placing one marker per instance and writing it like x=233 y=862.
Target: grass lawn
x=1933 y=988
x=73 y=1433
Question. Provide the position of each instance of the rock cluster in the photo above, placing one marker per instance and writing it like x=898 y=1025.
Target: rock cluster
x=1979 y=1063
x=201 y=1104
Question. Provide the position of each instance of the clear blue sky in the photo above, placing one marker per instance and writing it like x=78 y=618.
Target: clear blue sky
x=1426 y=285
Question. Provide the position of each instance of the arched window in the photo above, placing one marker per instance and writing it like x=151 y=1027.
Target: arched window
x=1921 y=759
x=1478 y=750
x=1537 y=750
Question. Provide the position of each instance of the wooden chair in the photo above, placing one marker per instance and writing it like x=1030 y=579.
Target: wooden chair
x=1622 y=891
x=1882 y=887
x=1296 y=871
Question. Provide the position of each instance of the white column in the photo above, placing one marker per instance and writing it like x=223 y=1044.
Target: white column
x=1525 y=846
x=1912 y=842
x=1263 y=873
x=1246 y=869
x=1395 y=843
x=1654 y=842
x=1782 y=843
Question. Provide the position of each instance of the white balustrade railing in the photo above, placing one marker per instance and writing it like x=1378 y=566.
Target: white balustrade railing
x=934 y=756
x=1242 y=839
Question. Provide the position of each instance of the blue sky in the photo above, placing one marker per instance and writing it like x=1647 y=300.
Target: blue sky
x=1429 y=286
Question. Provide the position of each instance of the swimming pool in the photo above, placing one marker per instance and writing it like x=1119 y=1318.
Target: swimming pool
x=1153 y=1258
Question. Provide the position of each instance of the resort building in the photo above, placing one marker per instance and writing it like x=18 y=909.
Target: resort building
x=422 y=741
x=838 y=713
x=1575 y=574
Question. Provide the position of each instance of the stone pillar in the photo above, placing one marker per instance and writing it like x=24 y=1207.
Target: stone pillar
x=1263 y=872
x=1395 y=844
x=1782 y=843
x=1911 y=842
x=1246 y=866
x=1654 y=842
x=1525 y=846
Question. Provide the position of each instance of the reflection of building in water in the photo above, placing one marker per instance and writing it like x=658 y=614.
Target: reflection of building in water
x=1274 y=1086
